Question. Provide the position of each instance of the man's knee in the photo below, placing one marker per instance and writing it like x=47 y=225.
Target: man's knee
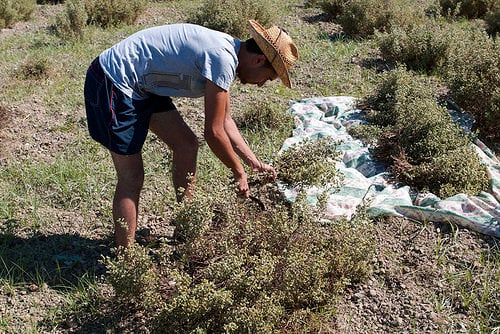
x=131 y=181
x=188 y=146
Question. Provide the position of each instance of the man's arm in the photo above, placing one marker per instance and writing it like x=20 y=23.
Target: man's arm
x=216 y=136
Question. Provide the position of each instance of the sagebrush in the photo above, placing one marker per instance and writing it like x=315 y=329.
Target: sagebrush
x=113 y=12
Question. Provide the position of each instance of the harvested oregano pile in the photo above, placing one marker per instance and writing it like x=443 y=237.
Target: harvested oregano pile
x=417 y=137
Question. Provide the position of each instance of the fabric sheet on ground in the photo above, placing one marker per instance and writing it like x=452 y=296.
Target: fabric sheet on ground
x=366 y=180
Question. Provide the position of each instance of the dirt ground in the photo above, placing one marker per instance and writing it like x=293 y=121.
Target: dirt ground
x=412 y=288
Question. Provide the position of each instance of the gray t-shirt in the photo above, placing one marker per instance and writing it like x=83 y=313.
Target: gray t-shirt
x=171 y=60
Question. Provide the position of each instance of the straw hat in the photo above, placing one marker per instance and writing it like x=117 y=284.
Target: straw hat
x=278 y=48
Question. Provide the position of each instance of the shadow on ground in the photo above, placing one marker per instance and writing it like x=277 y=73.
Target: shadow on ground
x=56 y=260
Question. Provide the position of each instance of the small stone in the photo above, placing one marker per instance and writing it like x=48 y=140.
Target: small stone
x=359 y=295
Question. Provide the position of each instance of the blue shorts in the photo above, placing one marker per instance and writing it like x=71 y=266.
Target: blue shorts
x=115 y=120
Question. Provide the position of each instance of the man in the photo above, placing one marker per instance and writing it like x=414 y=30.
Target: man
x=128 y=89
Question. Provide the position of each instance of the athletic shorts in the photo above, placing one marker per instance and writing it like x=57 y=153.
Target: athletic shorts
x=115 y=120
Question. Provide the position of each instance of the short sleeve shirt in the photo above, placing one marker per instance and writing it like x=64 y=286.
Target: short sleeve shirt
x=171 y=60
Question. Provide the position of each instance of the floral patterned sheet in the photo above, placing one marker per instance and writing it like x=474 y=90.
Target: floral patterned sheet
x=366 y=180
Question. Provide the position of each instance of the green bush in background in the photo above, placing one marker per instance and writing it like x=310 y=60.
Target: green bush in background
x=72 y=22
x=362 y=18
x=422 y=47
x=493 y=20
x=113 y=12
x=232 y=16
x=467 y=8
x=12 y=11
x=472 y=74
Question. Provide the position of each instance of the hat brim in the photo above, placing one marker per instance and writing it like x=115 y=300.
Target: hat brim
x=263 y=40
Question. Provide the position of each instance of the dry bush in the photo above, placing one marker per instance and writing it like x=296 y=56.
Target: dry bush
x=113 y=12
x=362 y=18
x=232 y=17
x=421 y=47
x=133 y=276
x=34 y=68
x=72 y=22
x=315 y=167
x=419 y=140
x=12 y=11
x=250 y=272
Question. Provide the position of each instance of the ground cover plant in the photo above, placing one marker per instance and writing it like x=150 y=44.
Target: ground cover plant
x=216 y=264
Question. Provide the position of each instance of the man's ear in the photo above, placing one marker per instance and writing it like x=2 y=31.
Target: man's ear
x=259 y=59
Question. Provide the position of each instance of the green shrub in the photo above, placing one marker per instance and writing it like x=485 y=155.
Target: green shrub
x=419 y=140
x=472 y=74
x=12 y=11
x=73 y=21
x=364 y=17
x=133 y=277
x=466 y=8
x=421 y=47
x=232 y=16
x=113 y=12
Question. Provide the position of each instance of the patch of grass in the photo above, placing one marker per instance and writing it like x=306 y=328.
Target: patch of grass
x=475 y=288
x=264 y=115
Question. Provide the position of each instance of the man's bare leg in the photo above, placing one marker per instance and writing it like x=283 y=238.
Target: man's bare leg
x=171 y=129
x=130 y=174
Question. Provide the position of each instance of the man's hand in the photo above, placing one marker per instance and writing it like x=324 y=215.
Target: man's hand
x=269 y=172
x=242 y=188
